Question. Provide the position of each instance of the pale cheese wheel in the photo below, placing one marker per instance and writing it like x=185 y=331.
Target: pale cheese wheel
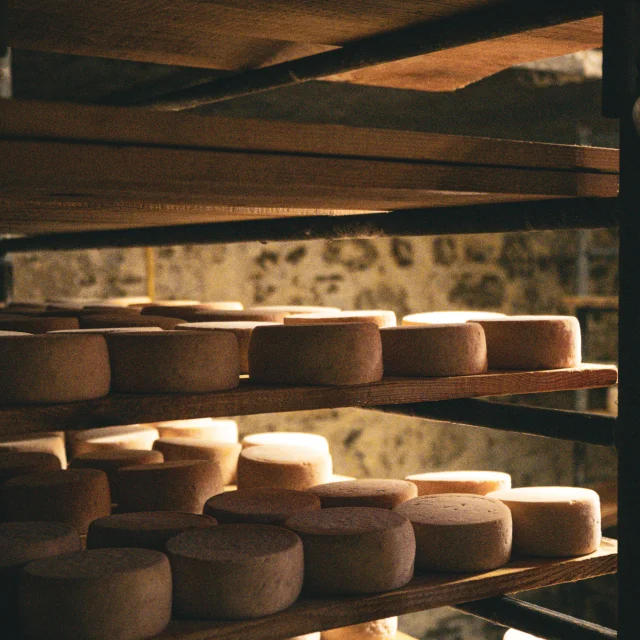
x=100 y=594
x=477 y=482
x=130 y=436
x=382 y=494
x=124 y=301
x=307 y=636
x=173 y=361
x=188 y=311
x=381 y=317
x=164 y=303
x=320 y=354
x=354 y=550
x=52 y=442
x=297 y=468
x=449 y=317
x=291 y=309
x=41 y=324
x=459 y=532
x=287 y=439
x=14 y=333
x=105 y=330
x=533 y=342
x=384 y=629
x=514 y=634
x=126 y=320
x=183 y=485
x=259 y=506
x=223 y=454
x=434 y=350
x=553 y=521
x=21 y=463
x=144 y=530
x=101 y=308
x=74 y=497
x=219 y=429
x=235 y=571
x=244 y=315
x=53 y=368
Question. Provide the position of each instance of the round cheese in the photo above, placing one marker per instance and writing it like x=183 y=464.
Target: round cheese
x=164 y=303
x=478 y=482
x=434 y=350
x=292 y=309
x=235 y=571
x=245 y=315
x=26 y=306
x=553 y=521
x=109 y=309
x=448 y=317
x=287 y=439
x=532 y=342
x=14 y=333
x=106 y=330
x=188 y=311
x=145 y=530
x=37 y=324
x=173 y=361
x=347 y=353
x=381 y=317
x=459 y=532
x=130 y=436
x=53 y=368
x=74 y=497
x=297 y=468
x=223 y=454
x=52 y=442
x=384 y=629
x=20 y=463
x=219 y=429
x=352 y=550
x=383 y=494
x=259 y=506
x=514 y=634
x=101 y=594
x=183 y=485
x=111 y=321
x=307 y=636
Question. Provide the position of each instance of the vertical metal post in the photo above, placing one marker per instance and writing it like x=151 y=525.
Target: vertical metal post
x=5 y=52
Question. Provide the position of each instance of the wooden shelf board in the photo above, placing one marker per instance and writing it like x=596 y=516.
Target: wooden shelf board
x=596 y=303
x=426 y=591
x=250 y=398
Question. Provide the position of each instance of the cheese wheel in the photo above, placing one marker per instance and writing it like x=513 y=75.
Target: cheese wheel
x=235 y=571
x=183 y=485
x=223 y=454
x=106 y=330
x=173 y=361
x=74 y=497
x=219 y=429
x=381 y=317
x=553 y=521
x=20 y=463
x=459 y=532
x=477 y=482
x=291 y=309
x=14 y=333
x=37 y=324
x=532 y=342
x=130 y=436
x=110 y=321
x=383 y=494
x=99 y=308
x=514 y=634
x=434 y=350
x=123 y=301
x=53 y=368
x=287 y=439
x=241 y=330
x=259 y=506
x=297 y=468
x=384 y=629
x=244 y=315
x=307 y=636
x=448 y=317
x=145 y=530
x=101 y=594
x=188 y=311
x=347 y=353
x=52 y=442
x=26 y=306
x=164 y=303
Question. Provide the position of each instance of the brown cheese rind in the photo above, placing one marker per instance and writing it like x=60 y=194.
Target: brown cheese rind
x=382 y=494
x=116 y=321
x=20 y=463
x=37 y=324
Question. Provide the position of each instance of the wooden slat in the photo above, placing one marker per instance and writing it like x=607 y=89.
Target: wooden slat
x=426 y=591
x=606 y=303
x=252 y=398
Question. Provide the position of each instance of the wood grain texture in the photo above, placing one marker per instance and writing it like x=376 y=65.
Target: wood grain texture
x=426 y=591
x=251 y=398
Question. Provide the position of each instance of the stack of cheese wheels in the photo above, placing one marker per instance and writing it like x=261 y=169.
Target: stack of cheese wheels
x=53 y=368
x=20 y=463
x=102 y=594
x=287 y=439
x=183 y=485
x=259 y=506
x=173 y=361
x=235 y=571
x=131 y=436
x=219 y=429
x=297 y=468
x=145 y=530
x=532 y=342
x=476 y=482
x=459 y=532
x=113 y=320
x=346 y=353
x=514 y=634
x=381 y=317
x=188 y=311
x=553 y=521
x=245 y=315
x=20 y=543
x=434 y=350
x=383 y=494
x=242 y=331
x=37 y=324
x=384 y=629
x=52 y=442
x=448 y=317
x=352 y=550
x=74 y=497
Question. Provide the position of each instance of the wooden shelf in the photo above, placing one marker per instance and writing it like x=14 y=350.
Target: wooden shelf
x=426 y=591
x=252 y=398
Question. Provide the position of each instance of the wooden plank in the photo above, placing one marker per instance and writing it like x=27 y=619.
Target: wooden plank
x=605 y=303
x=426 y=591
x=251 y=398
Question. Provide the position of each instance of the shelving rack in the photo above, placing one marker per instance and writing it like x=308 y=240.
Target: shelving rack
x=167 y=178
